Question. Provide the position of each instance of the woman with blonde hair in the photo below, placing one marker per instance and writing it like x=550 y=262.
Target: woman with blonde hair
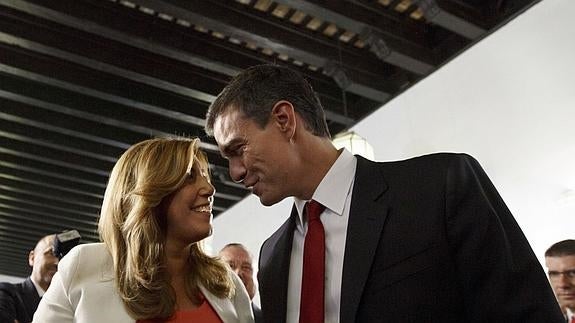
x=150 y=266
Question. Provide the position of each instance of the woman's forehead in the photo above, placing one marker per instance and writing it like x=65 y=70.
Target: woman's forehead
x=198 y=164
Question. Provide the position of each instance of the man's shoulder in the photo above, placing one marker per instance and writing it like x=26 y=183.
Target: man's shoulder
x=441 y=160
x=11 y=292
x=7 y=288
x=440 y=157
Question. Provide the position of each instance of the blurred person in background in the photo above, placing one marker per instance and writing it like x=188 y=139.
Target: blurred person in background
x=151 y=266
x=241 y=261
x=18 y=302
x=560 y=262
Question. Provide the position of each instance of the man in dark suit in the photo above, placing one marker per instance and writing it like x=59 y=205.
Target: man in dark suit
x=423 y=240
x=240 y=260
x=560 y=262
x=18 y=302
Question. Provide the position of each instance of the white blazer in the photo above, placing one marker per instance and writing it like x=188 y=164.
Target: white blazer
x=83 y=291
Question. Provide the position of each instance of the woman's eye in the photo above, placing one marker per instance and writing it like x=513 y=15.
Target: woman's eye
x=191 y=175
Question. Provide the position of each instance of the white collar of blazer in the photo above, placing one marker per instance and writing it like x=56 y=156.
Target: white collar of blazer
x=223 y=306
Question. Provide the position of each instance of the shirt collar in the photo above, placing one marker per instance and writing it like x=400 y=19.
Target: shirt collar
x=334 y=188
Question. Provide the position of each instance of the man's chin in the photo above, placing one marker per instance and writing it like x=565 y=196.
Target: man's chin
x=268 y=200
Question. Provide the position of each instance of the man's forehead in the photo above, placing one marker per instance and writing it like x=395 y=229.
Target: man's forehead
x=227 y=119
x=236 y=251
x=45 y=243
x=559 y=261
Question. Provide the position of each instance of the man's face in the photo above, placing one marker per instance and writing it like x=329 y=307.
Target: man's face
x=241 y=263
x=561 y=270
x=258 y=158
x=44 y=263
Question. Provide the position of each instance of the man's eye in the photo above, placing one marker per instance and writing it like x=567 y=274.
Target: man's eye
x=238 y=151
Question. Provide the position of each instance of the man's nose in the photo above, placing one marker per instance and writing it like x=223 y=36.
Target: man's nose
x=237 y=170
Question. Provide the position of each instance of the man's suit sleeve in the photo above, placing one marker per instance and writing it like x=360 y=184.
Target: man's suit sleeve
x=499 y=273
x=7 y=304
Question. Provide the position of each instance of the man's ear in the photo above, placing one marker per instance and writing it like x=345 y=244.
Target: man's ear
x=283 y=116
x=31 y=258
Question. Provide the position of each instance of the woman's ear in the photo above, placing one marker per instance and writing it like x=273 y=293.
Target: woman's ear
x=283 y=116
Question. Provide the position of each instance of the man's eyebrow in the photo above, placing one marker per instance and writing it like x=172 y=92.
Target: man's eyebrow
x=227 y=148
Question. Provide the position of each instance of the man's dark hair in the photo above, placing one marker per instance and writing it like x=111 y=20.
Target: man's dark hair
x=561 y=248
x=255 y=91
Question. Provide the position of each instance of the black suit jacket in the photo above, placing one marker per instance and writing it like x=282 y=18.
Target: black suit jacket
x=18 y=301
x=257 y=314
x=429 y=240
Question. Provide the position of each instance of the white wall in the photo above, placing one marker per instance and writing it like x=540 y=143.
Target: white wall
x=10 y=279
x=509 y=101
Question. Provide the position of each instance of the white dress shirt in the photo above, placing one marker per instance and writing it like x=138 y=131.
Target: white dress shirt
x=334 y=192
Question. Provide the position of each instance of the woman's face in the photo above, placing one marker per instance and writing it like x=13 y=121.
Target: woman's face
x=189 y=212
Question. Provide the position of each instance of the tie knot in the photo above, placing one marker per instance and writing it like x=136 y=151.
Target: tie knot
x=313 y=210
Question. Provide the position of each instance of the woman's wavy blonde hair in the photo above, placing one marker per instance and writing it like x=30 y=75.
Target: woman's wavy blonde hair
x=133 y=227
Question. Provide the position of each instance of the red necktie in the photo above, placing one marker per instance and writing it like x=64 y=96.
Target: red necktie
x=572 y=319
x=313 y=279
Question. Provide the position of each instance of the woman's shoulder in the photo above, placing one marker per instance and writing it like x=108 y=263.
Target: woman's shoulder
x=91 y=251
x=86 y=256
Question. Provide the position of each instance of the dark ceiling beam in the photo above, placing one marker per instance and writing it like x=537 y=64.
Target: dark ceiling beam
x=380 y=33
x=51 y=196
x=28 y=143
x=10 y=178
x=231 y=22
x=223 y=200
x=68 y=188
x=28 y=242
x=49 y=215
x=120 y=72
x=55 y=206
x=36 y=153
x=8 y=245
x=57 y=146
x=434 y=11
x=30 y=135
x=77 y=112
x=55 y=128
x=153 y=45
x=87 y=232
x=81 y=24
x=51 y=173
x=35 y=131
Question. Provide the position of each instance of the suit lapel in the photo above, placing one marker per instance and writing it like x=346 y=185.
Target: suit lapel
x=30 y=297
x=274 y=271
x=368 y=212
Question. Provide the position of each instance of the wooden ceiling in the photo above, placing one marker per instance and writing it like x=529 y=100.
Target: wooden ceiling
x=82 y=80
